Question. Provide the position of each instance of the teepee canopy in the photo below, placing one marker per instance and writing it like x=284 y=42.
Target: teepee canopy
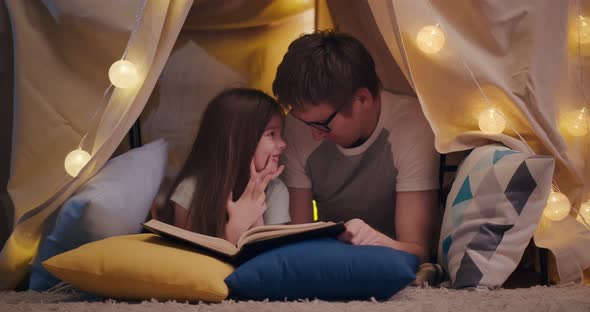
x=522 y=58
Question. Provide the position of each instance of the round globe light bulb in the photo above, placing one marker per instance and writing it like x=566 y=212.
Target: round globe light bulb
x=123 y=74
x=576 y=122
x=585 y=211
x=558 y=206
x=491 y=122
x=583 y=29
x=430 y=39
x=75 y=161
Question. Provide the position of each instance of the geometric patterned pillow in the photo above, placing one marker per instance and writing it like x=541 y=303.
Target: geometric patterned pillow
x=492 y=211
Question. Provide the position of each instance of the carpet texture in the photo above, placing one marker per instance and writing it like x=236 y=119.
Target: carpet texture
x=569 y=298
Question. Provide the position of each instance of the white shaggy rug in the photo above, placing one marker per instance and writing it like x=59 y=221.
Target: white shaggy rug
x=570 y=298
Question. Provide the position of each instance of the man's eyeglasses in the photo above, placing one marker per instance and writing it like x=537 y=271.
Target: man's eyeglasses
x=323 y=125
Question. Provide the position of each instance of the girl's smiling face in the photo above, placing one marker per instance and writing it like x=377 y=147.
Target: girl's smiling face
x=271 y=145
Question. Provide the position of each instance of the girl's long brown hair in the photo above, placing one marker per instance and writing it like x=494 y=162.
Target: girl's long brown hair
x=230 y=130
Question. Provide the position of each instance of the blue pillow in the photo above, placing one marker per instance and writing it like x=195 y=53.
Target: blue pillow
x=113 y=202
x=324 y=269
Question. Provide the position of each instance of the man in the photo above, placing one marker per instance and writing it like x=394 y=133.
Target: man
x=370 y=158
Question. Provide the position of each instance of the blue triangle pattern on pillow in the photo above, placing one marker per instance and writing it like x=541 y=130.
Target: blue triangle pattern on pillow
x=464 y=192
x=446 y=245
x=498 y=154
x=461 y=202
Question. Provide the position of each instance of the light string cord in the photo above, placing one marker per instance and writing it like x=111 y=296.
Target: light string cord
x=138 y=19
x=486 y=100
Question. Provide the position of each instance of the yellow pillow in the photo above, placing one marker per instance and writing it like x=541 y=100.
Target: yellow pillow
x=142 y=266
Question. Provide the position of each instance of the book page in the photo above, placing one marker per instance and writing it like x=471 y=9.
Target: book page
x=271 y=231
x=205 y=241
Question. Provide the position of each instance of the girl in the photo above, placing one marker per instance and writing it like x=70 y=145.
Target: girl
x=228 y=183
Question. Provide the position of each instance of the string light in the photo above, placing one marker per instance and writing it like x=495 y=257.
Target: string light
x=583 y=27
x=75 y=161
x=491 y=122
x=123 y=74
x=558 y=206
x=576 y=122
x=430 y=39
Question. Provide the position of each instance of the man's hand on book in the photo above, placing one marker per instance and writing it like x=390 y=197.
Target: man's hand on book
x=250 y=207
x=359 y=233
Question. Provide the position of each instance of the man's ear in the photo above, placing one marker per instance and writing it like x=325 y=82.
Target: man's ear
x=364 y=96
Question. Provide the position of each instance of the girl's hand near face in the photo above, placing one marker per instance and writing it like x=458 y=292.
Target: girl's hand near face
x=247 y=211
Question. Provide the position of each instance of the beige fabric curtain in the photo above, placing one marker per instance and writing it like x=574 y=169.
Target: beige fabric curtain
x=63 y=50
x=356 y=18
x=524 y=57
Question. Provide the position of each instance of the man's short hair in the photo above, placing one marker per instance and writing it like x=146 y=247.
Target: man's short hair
x=324 y=66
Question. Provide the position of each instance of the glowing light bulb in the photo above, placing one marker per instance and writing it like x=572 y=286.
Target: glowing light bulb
x=558 y=206
x=123 y=74
x=585 y=211
x=430 y=39
x=491 y=122
x=583 y=29
x=75 y=161
x=576 y=122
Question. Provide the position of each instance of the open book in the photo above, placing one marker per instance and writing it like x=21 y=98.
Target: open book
x=252 y=242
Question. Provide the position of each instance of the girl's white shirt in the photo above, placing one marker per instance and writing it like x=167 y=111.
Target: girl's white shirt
x=277 y=199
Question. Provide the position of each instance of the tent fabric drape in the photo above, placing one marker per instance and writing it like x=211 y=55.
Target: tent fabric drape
x=58 y=90
x=521 y=53
x=522 y=56
x=243 y=14
x=356 y=18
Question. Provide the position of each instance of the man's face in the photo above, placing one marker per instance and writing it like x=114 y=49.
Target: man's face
x=327 y=123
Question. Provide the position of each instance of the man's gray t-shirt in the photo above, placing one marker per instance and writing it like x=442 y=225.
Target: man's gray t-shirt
x=363 y=182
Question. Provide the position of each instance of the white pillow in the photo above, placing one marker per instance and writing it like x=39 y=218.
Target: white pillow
x=121 y=194
x=492 y=211
x=113 y=202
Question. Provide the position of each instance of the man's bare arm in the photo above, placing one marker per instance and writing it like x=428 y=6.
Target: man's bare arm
x=416 y=216
x=300 y=205
x=415 y=219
